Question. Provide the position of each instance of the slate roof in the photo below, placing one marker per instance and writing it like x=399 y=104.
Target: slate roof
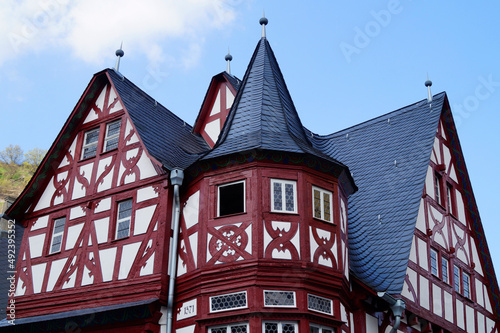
x=263 y=115
x=166 y=137
x=388 y=157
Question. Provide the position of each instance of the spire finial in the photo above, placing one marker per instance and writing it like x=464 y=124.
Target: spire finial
x=263 y=22
x=428 y=84
x=228 y=58
x=119 y=53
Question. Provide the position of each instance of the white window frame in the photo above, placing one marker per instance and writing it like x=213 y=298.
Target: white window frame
x=466 y=292
x=118 y=220
x=56 y=234
x=321 y=328
x=93 y=143
x=280 y=306
x=228 y=327
x=324 y=298
x=282 y=183
x=435 y=269
x=244 y=196
x=322 y=203
x=229 y=309
x=445 y=268
x=111 y=137
x=457 y=279
x=280 y=325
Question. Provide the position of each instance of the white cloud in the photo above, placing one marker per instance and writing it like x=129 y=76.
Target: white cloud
x=90 y=28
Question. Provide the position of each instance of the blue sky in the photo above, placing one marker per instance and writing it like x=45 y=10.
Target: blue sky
x=343 y=62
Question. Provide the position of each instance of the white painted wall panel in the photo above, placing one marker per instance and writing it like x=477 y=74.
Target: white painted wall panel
x=460 y=314
x=475 y=258
x=448 y=306
x=101 y=227
x=107 y=258
x=104 y=205
x=146 y=193
x=412 y=276
x=73 y=233
x=371 y=324
x=437 y=307
x=413 y=251
x=55 y=271
x=429 y=182
x=229 y=97
x=70 y=283
x=460 y=208
x=213 y=129
x=146 y=167
x=40 y=223
x=187 y=329
x=143 y=218
x=105 y=183
x=191 y=210
x=470 y=319
x=78 y=189
x=216 y=106
x=87 y=278
x=149 y=267
x=424 y=292
x=38 y=273
x=129 y=253
x=36 y=245
x=76 y=212
x=193 y=241
x=422 y=254
x=129 y=129
x=421 y=218
x=44 y=200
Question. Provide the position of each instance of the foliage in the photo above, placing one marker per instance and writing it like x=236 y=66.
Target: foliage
x=16 y=170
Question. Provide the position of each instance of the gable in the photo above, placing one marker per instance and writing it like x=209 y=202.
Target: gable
x=447 y=269
x=215 y=108
x=102 y=128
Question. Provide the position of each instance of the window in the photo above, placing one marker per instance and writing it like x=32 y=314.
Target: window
x=90 y=143
x=279 y=327
x=231 y=328
x=314 y=328
x=123 y=219
x=231 y=198
x=437 y=188
x=322 y=204
x=450 y=195
x=444 y=270
x=57 y=235
x=456 y=275
x=279 y=298
x=284 y=196
x=228 y=301
x=319 y=304
x=434 y=262
x=466 y=284
x=112 y=135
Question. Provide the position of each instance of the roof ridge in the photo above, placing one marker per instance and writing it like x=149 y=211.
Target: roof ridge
x=377 y=119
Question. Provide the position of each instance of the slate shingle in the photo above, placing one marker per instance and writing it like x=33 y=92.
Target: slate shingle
x=388 y=157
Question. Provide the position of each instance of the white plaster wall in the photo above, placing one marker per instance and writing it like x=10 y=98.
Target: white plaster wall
x=470 y=318
x=424 y=292
x=118 y=106
x=421 y=217
x=229 y=97
x=460 y=208
x=149 y=267
x=422 y=254
x=448 y=306
x=129 y=129
x=146 y=167
x=73 y=234
x=191 y=210
x=412 y=276
x=40 y=223
x=36 y=245
x=216 y=106
x=87 y=278
x=104 y=205
x=475 y=258
x=436 y=300
x=129 y=253
x=460 y=314
x=193 y=241
x=143 y=218
x=72 y=278
x=146 y=193
x=38 y=273
x=106 y=181
x=429 y=182
x=76 y=212
x=44 y=200
x=79 y=190
x=187 y=329
x=213 y=129
x=107 y=258
x=371 y=324
x=101 y=228
x=55 y=271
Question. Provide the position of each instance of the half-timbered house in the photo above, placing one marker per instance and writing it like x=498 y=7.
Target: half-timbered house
x=248 y=221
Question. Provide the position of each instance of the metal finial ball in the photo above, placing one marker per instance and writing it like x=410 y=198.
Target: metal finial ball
x=263 y=21
x=428 y=83
x=228 y=57
x=119 y=53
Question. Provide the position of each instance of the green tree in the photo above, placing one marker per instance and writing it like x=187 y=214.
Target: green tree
x=12 y=155
x=33 y=158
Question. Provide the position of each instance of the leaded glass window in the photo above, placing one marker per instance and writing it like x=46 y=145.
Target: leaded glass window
x=57 y=235
x=228 y=301
x=280 y=327
x=322 y=204
x=314 y=328
x=434 y=259
x=123 y=219
x=444 y=269
x=112 y=135
x=283 y=196
x=279 y=298
x=456 y=275
x=320 y=304
x=231 y=328
x=466 y=284
x=90 y=139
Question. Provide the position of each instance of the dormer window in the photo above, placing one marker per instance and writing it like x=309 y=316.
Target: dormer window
x=112 y=135
x=90 y=143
